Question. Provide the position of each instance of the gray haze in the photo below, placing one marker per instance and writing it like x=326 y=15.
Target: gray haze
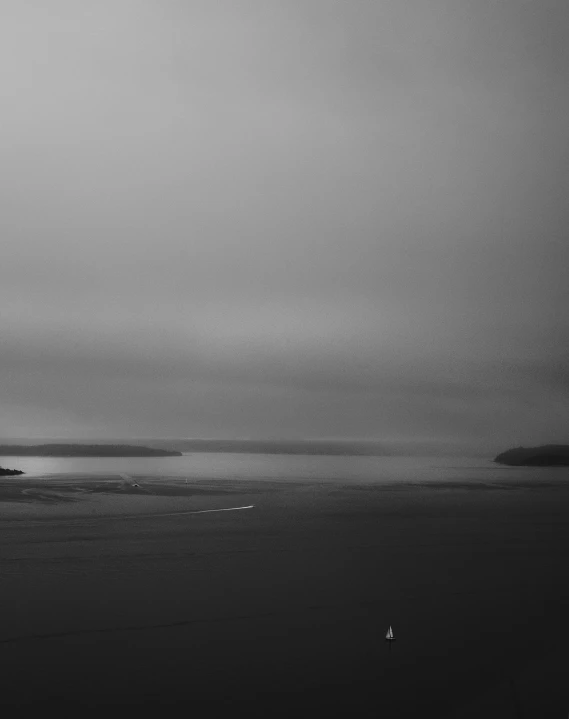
x=285 y=218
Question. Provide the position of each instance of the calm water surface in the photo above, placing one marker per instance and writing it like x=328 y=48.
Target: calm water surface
x=293 y=467
x=296 y=595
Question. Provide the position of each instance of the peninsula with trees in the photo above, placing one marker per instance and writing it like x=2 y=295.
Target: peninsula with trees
x=548 y=455
x=10 y=472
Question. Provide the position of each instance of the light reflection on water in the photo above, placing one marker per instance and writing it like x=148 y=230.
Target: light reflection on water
x=282 y=467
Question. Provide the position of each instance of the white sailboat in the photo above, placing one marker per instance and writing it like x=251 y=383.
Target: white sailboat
x=389 y=636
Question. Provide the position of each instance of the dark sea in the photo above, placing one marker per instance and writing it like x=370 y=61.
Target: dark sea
x=282 y=608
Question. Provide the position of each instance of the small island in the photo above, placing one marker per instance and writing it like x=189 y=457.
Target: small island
x=83 y=450
x=9 y=472
x=548 y=455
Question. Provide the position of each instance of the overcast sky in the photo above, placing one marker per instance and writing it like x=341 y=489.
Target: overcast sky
x=285 y=218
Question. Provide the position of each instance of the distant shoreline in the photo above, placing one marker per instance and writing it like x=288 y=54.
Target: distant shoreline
x=177 y=448
x=84 y=450
x=306 y=447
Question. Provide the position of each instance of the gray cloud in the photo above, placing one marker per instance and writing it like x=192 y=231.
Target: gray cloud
x=284 y=219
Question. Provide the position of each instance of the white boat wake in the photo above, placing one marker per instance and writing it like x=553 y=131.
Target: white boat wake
x=225 y=509
x=177 y=514
x=118 y=517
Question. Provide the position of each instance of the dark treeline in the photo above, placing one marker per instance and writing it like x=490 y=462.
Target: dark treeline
x=9 y=472
x=84 y=450
x=548 y=455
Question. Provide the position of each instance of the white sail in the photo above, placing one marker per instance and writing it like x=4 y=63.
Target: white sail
x=389 y=634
